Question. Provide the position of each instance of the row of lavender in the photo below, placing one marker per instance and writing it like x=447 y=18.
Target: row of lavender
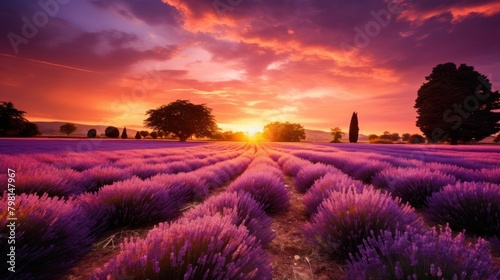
x=54 y=232
x=380 y=235
x=219 y=239
x=70 y=174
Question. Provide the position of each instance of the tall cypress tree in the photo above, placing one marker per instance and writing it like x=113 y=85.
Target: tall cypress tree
x=354 y=128
x=124 y=133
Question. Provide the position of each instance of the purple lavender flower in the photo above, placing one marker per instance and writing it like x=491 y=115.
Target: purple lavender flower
x=324 y=187
x=51 y=235
x=345 y=219
x=411 y=184
x=415 y=254
x=266 y=188
x=242 y=209
x=473 y=206
x=206 y=248
x=310 y=173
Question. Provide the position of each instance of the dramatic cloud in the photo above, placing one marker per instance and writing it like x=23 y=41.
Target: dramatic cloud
x=313 y=62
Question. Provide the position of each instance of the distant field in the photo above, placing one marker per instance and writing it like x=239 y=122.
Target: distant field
x=275 y=210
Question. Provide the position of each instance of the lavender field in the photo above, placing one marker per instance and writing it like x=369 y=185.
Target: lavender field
x=225 y=210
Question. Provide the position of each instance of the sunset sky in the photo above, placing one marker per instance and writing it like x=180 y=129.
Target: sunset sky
x=313 y=62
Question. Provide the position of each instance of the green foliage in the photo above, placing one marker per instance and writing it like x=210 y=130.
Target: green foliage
x=457 y=104
x=354 y=128
x=67 y=128
x=183 y=119
x=13 y=123
x=92 y=133
x=112 y=132
x=231 y=136
x=406 y=137
x=380 y=141
x=144 y=133
x=416 y=139
x=284 y=132
x=124 y=133
x=337 y=134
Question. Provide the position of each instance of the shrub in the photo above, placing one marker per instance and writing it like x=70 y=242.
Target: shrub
x=242 y=209
x=345 y=219
x=138 y=135
x=51 y=235
x=472 y=206
x=92 y=133
x=416 y=139
x=207 y=248
x=154 y=135
x=112 y=132
x=324 y=187
x=422 y=255
x=364 y=170
x=293 y=165
x=43 y=179
x=267 y=189
x=380 y=141
x=310 y=173
x=124 y=133
x=134 y=203
x=412 y=185
x=194 y=187
x=95 y=178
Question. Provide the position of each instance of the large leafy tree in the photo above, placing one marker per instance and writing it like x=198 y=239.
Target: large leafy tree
x=67 y=128
x=13 y=123
x=337 y=134
x=284 y=132
x=183 y=119
x=457 y=104
x=354 y=128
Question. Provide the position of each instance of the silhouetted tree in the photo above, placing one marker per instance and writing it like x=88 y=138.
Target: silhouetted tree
x=395 y=136
x=284 y=132
x=386 y=136
x=373 y=136
x=92 y=133
x=161 y=134
x=144 y=133
x=112 y=132
x=124 y=133
x=183 y=119
x=67 y=128
x=354 y=128
x=154 y=134
x=405 y=137
x=416 y=139
x=138 y=135
x=457 y=104
x=337 y=134
x=497 y=139
x=13 y=123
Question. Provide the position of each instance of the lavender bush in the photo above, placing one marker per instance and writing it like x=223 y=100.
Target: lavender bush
x=310 y=173
x=206 y=248
x=473 y=206
x=134 y=203
x=324 y=187
x=51 y=235
x=422 y=255
x=242 y=209
x=267 y=189
x=345 y=219
x=95 y=178
x=412 y=185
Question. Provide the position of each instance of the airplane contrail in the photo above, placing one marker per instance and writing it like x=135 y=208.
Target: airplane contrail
x=47 y=63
